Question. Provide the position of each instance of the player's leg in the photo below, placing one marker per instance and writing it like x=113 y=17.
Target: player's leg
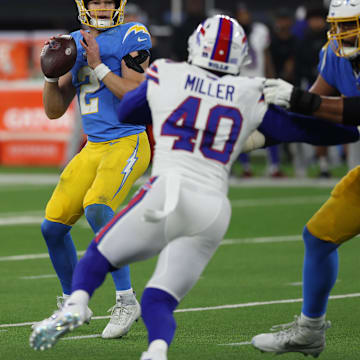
x=62 y=211
x=335 y=222
x=274 y=161
x=244 y=160
x=110 y=249
x=123 y=162
x=186 y=255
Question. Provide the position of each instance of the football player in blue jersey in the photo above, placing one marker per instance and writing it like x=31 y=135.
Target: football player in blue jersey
x=337 y=221
x=111 y=59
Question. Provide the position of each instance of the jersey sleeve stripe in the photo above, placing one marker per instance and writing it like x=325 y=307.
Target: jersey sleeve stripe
x=153 y=78
x=154 y=68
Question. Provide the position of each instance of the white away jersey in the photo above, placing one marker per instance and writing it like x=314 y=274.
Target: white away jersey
x=200 y=121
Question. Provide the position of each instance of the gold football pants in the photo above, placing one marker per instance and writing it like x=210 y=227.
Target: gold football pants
x=338 y=220
x=102 y=173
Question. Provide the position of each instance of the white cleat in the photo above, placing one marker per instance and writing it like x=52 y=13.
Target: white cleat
x=153 y=355
x=157 y=351
x=47 y=332
x=60 y=301
x=296 y=336
x=124 y=313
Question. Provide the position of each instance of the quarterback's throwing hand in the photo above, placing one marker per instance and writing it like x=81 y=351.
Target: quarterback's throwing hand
x=92 y=49
x=278 y=92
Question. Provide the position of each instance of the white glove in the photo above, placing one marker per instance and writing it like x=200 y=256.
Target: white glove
x=278 y=92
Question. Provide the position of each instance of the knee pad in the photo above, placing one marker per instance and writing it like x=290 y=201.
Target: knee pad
x=52 y=230
x=317 y=245
x=98 y=215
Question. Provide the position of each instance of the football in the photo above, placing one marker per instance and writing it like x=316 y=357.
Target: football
x=59 y=56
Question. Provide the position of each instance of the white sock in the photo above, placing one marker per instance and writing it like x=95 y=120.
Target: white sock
x=317 y=322
x=124 y=292
x=323 y=163
x=79 y=297
x=65 y=296
x=158 y=345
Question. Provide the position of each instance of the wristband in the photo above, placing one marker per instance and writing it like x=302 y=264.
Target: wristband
x=51 y=80
x=101 y=71
x=304 y=102
x=351 y=108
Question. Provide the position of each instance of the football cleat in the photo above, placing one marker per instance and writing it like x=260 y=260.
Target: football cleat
x=153 y=355
x=49 y=331
x=124 y=313
x=296 y=336
x=157 y=351
x=60 y=301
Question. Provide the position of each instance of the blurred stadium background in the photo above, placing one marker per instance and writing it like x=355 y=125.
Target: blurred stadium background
x=27 y=138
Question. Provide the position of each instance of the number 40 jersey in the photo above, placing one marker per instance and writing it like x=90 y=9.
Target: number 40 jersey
x=200 y=121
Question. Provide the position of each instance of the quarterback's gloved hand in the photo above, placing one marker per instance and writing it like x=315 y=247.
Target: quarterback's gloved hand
x=278 y=92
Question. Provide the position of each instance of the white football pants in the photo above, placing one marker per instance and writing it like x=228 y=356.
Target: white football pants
x=177 y=218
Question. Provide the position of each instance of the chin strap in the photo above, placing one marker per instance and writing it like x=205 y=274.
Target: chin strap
x=134 y=63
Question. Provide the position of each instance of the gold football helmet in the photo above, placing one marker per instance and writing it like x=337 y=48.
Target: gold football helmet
x=344 y=33
x=95 y=19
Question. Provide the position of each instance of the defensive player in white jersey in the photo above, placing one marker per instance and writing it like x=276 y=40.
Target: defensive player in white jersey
x=203 y=117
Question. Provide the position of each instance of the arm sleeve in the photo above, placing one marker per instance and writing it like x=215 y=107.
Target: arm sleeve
x=134 y=107
x=280 y=126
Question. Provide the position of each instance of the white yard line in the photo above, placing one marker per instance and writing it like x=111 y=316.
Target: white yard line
x=220 y=307
x=82 y=337
x=52 y=179
x=258 y=240
x=237 y=344
x=21 y=220
x=28 y=179
x=262 y=240
x=36 y=217
x=38 y=277
x=296 y=200
x=286 y=182
x=30 y=256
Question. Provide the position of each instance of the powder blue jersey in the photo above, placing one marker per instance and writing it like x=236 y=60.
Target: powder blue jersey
x=97 y=103
x=338 y=72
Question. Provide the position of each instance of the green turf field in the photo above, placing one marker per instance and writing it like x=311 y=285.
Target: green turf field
x=255 y=269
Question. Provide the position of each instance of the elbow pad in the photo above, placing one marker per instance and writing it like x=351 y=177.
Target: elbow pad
x=134 y=63
x=351 y=111
x=304 y=102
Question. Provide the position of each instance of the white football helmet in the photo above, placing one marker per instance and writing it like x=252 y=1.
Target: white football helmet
x=220 y=44
x=344 y=33
x=94 y=20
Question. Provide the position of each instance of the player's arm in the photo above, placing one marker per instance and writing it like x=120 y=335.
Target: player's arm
x=281 y=126
x=119 y=86
x=57 y=95
x=134 y=107
x=332 y=108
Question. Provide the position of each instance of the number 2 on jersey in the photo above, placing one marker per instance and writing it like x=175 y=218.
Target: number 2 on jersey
x=215 y=146
x=92 y=86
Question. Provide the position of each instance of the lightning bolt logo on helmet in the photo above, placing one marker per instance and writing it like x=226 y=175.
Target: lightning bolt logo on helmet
x=94 y=18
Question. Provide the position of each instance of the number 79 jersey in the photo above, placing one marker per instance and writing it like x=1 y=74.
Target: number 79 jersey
x=200 y=121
